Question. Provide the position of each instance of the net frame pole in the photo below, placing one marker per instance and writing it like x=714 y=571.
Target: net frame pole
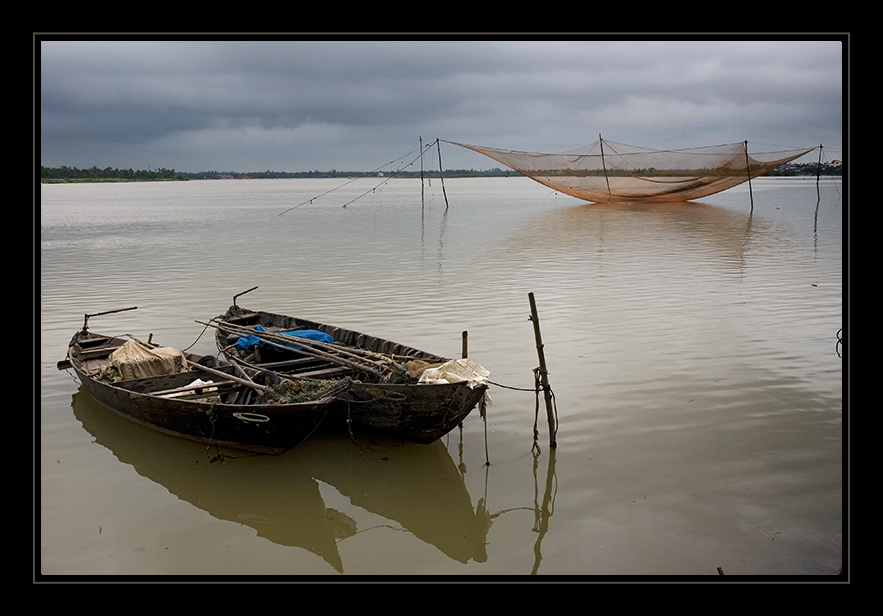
x=604 y=165
x=440 y=173
x=748 y=171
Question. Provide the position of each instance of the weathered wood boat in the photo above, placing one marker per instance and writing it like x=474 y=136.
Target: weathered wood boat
x=393 y=389
x=197 y=398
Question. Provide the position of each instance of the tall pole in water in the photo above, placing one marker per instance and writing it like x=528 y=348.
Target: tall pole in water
x=748 y=171
x=440 y=174
x=603 y=164
x=544 y=374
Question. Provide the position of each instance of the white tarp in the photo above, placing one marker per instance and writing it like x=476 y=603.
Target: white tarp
x=456 y=371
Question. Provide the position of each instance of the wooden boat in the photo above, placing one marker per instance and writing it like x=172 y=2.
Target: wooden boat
x=206 y=400
x=384 y=394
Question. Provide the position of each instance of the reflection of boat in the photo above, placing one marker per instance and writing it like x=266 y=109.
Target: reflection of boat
x=285 y=506
x=384 y=394
x=608 y=172
x=418 y=487
x=163 y=389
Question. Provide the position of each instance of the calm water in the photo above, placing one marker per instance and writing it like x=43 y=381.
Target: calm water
x=692 y=351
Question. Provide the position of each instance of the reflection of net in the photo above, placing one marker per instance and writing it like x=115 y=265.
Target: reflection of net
x=606 y=171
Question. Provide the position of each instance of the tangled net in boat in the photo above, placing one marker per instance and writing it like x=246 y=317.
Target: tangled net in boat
x=293 y=391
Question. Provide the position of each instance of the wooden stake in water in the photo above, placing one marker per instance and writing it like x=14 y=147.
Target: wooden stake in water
x=748 y=171
x=441 y=174
x=544 y=373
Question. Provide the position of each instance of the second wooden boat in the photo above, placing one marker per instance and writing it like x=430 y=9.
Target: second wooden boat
x=393 y=389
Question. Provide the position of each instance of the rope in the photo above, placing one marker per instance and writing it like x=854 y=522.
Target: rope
x=218 y=457
x=538 y=387
x=385 y=180
x=513 y=388
x=356 y=178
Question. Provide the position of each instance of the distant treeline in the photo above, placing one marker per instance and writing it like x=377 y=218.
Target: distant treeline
x=793 y=169
x=108 y=174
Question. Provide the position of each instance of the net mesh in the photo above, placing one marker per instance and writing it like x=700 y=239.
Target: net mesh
x=607 y=172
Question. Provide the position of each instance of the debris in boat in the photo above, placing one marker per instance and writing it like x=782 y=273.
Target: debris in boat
x=416 y=367
x=198 y=386
x=301 y=390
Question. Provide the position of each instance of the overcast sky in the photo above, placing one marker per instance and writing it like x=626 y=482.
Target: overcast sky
x=299 y=105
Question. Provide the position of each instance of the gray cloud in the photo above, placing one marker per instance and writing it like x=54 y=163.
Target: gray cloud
x=300 y=105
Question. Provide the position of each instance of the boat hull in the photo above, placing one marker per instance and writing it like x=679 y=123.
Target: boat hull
x=257 y=428
x=418 y=413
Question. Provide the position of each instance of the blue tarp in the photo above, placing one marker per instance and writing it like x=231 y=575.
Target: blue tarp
x=249 y=341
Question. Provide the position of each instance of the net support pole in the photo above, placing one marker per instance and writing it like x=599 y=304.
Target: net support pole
x=604 y=165
x=819 y=174
x=440 y=174
x=748 y=171
x=544 y=374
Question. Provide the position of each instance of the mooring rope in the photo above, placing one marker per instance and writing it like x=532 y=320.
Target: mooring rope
x=538 y=387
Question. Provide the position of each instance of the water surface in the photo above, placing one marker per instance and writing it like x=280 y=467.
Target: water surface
x=692 y=351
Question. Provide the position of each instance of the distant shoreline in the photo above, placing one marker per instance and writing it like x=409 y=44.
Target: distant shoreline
x=104 y=180
x=181 y=177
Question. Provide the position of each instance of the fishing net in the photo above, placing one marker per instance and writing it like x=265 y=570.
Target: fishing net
x=301 y=390
x=607 y=172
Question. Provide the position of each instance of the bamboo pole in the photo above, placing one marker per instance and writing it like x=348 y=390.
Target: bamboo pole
x=604 y=165
x=441 y=175
x=307 y=345
x=748 y=171
x=544 y=373
x=218 y=373
x=304 y=347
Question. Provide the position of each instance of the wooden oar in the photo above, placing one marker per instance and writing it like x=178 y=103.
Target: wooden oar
x=224 y=375
x=248 y=383
x=352 y=351
x=380 y=360
x=287 y=342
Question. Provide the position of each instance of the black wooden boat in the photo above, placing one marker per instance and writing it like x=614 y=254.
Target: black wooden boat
x=207 y=400
x=384 y=394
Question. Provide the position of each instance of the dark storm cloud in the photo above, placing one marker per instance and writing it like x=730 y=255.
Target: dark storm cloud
x=298 y=105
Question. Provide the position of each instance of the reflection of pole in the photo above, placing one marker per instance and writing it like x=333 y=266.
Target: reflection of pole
x=543 y=512
x=604 y=165
x=544 y=374
x=482 y=405
x=748 y=171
